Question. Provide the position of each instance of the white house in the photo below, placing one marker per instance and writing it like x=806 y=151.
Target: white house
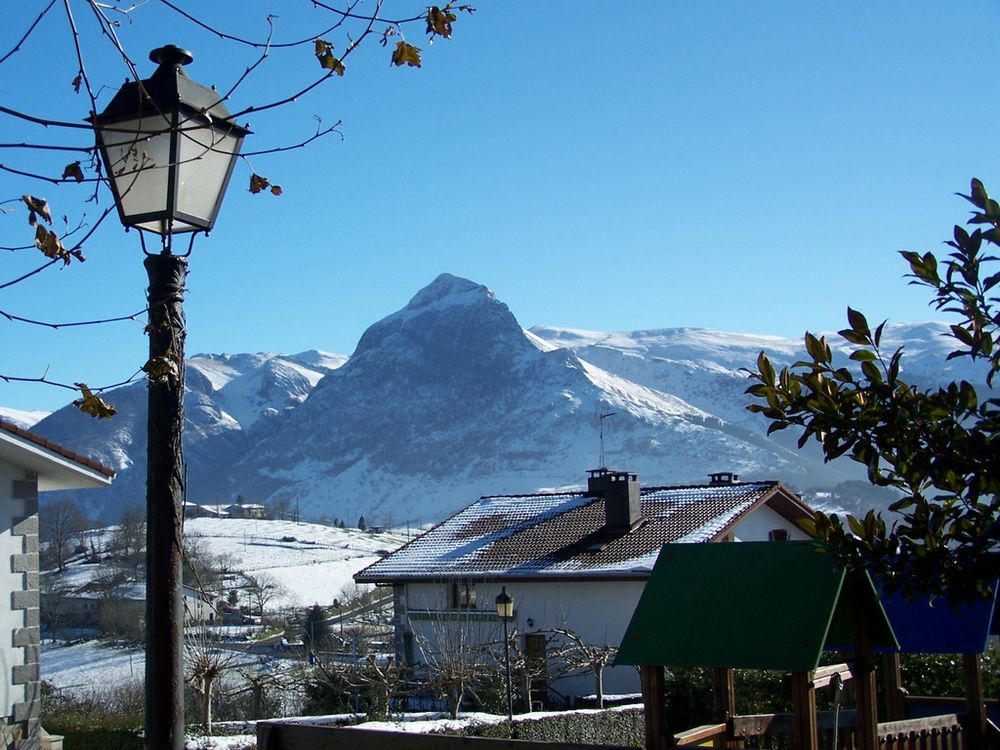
x=573 y=560
x=29 y=464
x=81 y=606
x=246 y=510
x=194 y=510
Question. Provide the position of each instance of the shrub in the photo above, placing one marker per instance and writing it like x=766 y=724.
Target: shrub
x=625 y=728
x=942 y=675
x=107 y=717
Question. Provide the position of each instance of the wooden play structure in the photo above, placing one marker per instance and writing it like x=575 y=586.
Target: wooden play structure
x=778 y=606
x=932 y=627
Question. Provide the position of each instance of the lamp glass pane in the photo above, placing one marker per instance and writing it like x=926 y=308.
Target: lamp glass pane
x=505 y=605
x=137 y=161
x=205 y=157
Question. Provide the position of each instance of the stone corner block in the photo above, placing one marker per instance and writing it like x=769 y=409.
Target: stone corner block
x=24 y=599
x=29 y=636
x=22 y=674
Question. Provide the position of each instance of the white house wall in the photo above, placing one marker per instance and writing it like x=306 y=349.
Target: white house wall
x=19 y=613
x=597 y=611
x=758 y=525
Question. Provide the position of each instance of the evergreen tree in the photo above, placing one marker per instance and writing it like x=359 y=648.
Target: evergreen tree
x=362 y=524
x=316 y=629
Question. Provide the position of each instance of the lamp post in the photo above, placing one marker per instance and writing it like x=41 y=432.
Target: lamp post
x=505 y=610
x=168 y=147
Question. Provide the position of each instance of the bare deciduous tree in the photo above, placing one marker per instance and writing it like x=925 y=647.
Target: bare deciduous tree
x=59 y=522
x=527 y=670
x=382 y=683
x=53 y=593
x=280 y=508
x=117 y=612
x=128 y=538
x=457 y=655
x=262 y=682
x=261 y=589
x=205 y=666
x=589 y=657
x=378 y=683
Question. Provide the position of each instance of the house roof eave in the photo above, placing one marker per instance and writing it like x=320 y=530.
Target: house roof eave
x=57 y=468
x=500 y=577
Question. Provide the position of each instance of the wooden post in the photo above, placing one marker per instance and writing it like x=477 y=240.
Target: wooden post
x=895 y=695
x=805 y=732
x=975 y=724
x=655 y=705
x=725 y=701
x=864 y=679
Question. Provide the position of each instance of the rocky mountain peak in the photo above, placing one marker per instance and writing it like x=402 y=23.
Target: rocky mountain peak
x=450 y=318
x=447 y=289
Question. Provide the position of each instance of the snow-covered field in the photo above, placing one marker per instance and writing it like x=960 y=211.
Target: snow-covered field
x=90 y=664
x=310 y=563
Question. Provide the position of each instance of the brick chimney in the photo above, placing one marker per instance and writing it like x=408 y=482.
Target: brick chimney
x=620 y=490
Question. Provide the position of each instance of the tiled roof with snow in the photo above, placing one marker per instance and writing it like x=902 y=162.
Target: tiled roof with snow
x=66 y=453
x=563 y=534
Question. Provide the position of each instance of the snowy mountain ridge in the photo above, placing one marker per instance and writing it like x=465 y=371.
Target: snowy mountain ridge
x=449 y=398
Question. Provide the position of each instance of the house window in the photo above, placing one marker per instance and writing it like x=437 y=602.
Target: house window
x=463 y=595
x=778 y=535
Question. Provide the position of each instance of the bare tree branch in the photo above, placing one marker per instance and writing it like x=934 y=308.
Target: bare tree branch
x=75 y=387
x=31 y=28
x=353 y=23
x=45 y=121
x=74 y=324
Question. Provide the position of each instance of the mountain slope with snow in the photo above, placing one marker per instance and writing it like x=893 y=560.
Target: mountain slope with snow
x=707 y=368
x=229 y=401
x=22 y=418
x=449 y=398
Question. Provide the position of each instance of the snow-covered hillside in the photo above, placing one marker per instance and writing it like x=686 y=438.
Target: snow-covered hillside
x=22 y=418
x=449 y=398
x=309 y=563
x=230 y=401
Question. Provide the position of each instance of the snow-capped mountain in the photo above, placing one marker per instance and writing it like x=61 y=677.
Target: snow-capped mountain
x=449 y=399
x=706 y=368
x=22 y=418
x=229 y=401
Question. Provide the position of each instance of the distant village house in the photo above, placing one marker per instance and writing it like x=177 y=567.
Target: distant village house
x=233 y=510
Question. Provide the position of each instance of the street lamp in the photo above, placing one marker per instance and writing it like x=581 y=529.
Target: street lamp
x=505 y=611
x=168 y=147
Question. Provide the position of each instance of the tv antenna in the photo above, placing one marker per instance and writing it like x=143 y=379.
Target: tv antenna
x=601 y=417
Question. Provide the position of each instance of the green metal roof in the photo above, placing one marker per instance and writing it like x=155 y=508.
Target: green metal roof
x=751 y=605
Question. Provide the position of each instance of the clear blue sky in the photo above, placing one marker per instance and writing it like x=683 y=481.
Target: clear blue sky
x=740 y=166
